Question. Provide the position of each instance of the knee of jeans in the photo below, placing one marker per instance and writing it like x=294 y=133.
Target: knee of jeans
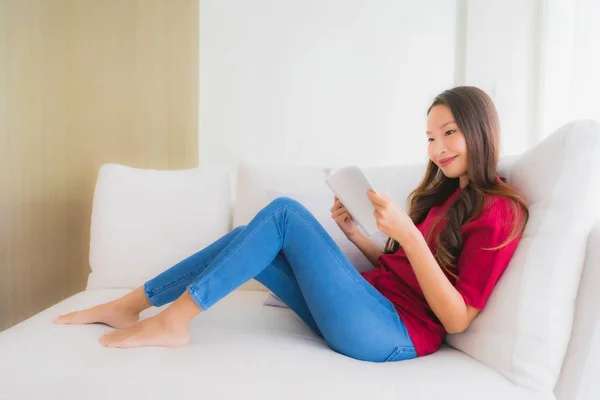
x=284 y=201
x=238 y=228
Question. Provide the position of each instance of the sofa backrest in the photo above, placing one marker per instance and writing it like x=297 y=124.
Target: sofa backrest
x=580 y=374
x=144 y=221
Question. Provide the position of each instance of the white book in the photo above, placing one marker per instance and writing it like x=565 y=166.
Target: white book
x=350 y=185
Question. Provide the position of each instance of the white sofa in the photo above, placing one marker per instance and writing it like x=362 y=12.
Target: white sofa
x=538 y=338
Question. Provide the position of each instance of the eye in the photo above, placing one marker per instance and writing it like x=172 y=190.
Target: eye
x=451 y=131
x=429 y=140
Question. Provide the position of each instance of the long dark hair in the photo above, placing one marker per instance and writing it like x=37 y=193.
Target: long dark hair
x=476 y=116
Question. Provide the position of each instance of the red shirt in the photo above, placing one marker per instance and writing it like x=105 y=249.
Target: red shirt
x=478 y=269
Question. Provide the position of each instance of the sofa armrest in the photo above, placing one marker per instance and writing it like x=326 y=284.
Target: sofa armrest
x=579 y=379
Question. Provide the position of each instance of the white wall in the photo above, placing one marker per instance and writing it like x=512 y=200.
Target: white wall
x=585 y=98
x=325 y=82
x=571 y=56
x=502 y=58
x=336 y=82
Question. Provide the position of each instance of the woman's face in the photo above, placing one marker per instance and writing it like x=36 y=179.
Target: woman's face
x=447 y=147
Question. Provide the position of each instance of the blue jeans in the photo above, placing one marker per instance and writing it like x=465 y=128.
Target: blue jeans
x=286 y=249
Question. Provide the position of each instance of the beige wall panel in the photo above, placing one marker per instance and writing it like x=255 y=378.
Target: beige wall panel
x=82 y=83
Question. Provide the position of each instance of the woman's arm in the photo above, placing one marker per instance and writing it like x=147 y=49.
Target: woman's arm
x=455 y=305
x=446 y=302
x=368 y=247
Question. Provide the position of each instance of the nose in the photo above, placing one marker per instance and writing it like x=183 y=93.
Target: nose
x=439 y=149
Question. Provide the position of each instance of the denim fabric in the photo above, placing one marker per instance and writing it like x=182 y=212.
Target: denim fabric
x=285 y=248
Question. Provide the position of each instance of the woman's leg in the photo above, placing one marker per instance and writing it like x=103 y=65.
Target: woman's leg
x=170 y=284
x=277 y=276
x=353 y=317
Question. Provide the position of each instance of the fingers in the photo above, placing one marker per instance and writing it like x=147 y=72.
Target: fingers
x=341 y=213
x=343 y=217
x=338 y=212
x=336 y=204
x=379 y=199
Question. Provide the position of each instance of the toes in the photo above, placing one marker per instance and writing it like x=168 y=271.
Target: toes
x=61 y=319
x=111 y=339
x=108 y=335
x=119 y=338
x=105 y=340
x=69 y=318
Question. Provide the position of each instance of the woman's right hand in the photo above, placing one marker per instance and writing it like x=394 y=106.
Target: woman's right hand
x=343 y=218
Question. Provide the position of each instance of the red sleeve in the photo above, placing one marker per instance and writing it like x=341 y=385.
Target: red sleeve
x=478 y=269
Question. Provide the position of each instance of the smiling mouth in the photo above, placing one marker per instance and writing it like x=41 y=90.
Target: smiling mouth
x=443 y=163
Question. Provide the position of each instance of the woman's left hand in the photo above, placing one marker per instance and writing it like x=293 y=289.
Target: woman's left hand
x=391 y=219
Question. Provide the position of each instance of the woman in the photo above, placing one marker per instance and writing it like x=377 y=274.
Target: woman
x=433 y=277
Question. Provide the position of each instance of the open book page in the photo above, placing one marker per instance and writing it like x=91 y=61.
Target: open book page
x=350 y=185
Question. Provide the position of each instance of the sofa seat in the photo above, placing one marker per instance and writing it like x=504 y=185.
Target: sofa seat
x=240 y=349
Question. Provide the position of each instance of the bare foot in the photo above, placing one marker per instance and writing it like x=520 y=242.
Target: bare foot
x=154 y=331
x=113 y=314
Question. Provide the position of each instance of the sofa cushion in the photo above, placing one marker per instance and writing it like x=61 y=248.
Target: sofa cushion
x=254 y=181
x=581 y=368
x=524 y=330
x=144 y=221
x=238 y=350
